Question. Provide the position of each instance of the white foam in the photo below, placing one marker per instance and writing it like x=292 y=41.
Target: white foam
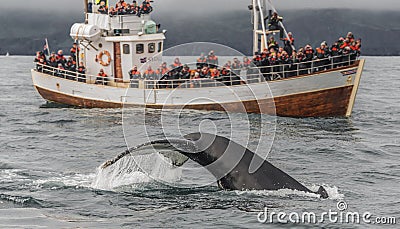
x=75 y=180
x=333 y=192
x=132 y=170
x=11 y=175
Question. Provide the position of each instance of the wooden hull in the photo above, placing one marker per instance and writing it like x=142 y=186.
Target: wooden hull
x=319 y=95
x=325 y=103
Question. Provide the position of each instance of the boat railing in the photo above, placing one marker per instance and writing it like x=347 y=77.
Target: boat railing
x=275 y=72
x=247 y=75
x=69 y=75
x=187 y=83
x=142 y=83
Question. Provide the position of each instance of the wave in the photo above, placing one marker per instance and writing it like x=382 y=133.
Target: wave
x=50 y=105
x=25 y=201
x=61 y=121
x=65 y=181
x=4 y=166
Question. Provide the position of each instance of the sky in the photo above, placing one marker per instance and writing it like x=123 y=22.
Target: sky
x=212 y=5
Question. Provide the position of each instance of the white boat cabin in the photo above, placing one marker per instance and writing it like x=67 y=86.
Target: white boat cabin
x=116 y=43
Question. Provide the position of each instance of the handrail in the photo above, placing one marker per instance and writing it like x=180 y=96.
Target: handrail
x=270 y=73
x=274 y=72
x=187 y=83
x=312 y=61
x=71 y=75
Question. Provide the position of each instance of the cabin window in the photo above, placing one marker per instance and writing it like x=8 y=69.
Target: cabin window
x=159 y=46
x=126 y=49
x=152 y=48
x=100 y=45
x=139 y=49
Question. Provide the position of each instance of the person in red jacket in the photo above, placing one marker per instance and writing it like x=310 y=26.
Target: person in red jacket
x=212 y=60
x=102 y=78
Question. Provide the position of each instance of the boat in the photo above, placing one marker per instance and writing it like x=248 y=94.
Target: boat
x=7 y=54
x=116 y=43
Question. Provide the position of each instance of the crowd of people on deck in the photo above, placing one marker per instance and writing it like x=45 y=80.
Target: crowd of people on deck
x=124 y=8
x=206 y=67
x=282 y=61
x=60 y=63
x=306 y=59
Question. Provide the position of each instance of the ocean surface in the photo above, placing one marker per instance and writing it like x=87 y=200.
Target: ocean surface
x=49 y=160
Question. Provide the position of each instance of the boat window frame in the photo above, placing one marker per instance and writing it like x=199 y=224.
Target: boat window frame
x=140 y=50
x=160 y=46
x=126 y=49
x=151 y=47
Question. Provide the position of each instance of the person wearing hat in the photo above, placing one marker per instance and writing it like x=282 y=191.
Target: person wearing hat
x=350 y=36
x=322 y=53
x=185 y=73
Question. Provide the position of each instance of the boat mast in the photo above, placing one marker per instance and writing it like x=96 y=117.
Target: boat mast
x=255 y=26
x=264 y=31
x=86 y=5
x=259 y=10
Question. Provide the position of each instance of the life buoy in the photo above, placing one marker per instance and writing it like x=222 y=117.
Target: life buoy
x=100 y=58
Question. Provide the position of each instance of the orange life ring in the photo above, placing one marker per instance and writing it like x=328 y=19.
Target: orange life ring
x=100 y=58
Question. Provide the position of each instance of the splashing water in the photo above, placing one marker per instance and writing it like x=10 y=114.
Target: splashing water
x=129 y=171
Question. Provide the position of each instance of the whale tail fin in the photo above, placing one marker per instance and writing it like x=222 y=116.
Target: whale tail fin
x=322 y=192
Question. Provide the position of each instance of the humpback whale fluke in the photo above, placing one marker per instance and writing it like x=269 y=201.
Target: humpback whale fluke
x=226 y=160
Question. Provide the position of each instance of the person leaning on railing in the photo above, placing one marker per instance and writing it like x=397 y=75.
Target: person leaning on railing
x=336 y=53
x=81 y=73
x=236 y=66
x=102 y=78
x=60 y=71
x=135 y=76
x=53 y=61
x=71 y=64
x=40 y=64
x=322 y=55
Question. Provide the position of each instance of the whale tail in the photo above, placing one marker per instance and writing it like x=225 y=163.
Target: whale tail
x=322 y=192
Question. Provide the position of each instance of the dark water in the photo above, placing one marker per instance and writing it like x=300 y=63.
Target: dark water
x=49 y=157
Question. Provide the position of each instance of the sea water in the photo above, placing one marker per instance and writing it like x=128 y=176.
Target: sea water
x=50 y=158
